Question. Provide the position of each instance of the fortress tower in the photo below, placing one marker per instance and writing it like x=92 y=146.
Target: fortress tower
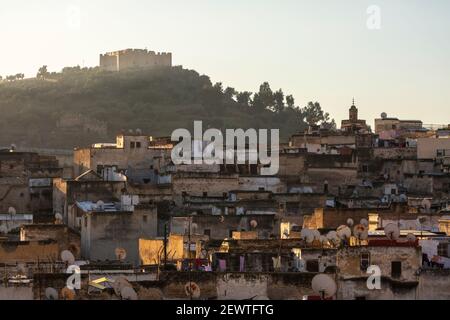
x=134 y=58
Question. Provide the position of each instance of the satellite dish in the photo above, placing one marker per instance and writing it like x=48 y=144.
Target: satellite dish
x=67 y=294
x=350 y=222
x=384 y=115
x=254 y=224
x=426 y=204
x=121 y=254
x=100 y=204
x=67 y=257
x=307 y=235
x=323 y=240
x=316 y=234
x=411 y=237
x=119 y=284
x=222 y=219
x=21 y=268
x=128 y=293
x=138 y=131
x=324 y=285
x=364 y=222
x=343 y=232
x=333 y=237
x=12 y=210
x=58 y=218
x=360 y=231
x=130 y=131
x=192 y=290
x=51 y=294
x=391 y=231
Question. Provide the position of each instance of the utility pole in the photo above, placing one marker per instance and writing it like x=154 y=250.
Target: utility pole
x=165 y=246
x=189 y=258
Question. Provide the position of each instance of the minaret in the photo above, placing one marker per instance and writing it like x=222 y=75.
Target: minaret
x=353 y=112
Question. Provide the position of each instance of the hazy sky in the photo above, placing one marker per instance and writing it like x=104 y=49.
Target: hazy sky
x=319 y=50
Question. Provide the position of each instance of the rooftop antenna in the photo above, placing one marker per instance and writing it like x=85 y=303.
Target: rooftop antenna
x=392 y=231
x=324 y=285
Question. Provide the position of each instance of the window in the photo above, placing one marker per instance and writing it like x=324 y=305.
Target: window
x=365 y=168
x=396 y=269
x=312 y=265
x=144 y=218
x=440 y=153
x=443 y=250
x=205 y=194
x=138 y=144
x=207 y=232
x=85 y=222
x=365 y=261
x=132 y=145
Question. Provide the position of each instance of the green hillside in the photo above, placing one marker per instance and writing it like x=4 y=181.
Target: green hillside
x=39 y=112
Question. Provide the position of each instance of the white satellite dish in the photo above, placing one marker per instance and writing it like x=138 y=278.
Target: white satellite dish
x=138 y=131
x=51 y=294
x=307 y=235
x=360 y=232
x=364 y=222
x=12 y=210
x=119 y=284
x=316 y=234
x=333 y=238
x=344 y=232
x=254 y=224
x=350 y=222
x=323 y=240
x=58 y=218
x=128 y=293
x=411 y=237
x=121 y=254
x=222 y=219
x=391 y=231
x=324 y=285
x=99 y=205
x=426 y=204
x=67 y=256
x=192 y=290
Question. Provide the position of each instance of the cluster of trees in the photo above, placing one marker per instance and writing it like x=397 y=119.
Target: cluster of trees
x=278 y=103
x=13 y=77
x=155 y=100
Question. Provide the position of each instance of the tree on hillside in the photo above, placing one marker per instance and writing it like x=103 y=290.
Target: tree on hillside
x=11 y=78
x=20 y=76
x=314 y=114
x=278 y=97
x=42 y=73
x=290 y=101
x=229 y=93
x=244 y=98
